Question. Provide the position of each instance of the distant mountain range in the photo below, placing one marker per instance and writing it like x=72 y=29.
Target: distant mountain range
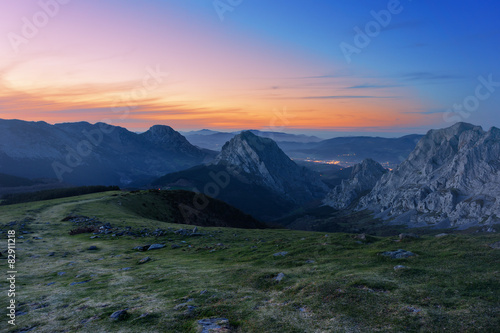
x=349 y=150
x=85 y=154
x=214 y=140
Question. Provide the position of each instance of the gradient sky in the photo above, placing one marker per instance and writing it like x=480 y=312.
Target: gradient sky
x=273 y=65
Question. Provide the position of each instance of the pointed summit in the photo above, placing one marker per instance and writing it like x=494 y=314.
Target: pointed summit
x=266 y=164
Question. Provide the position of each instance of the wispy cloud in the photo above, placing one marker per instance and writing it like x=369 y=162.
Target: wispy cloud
x=344 y=97
x=429 y=76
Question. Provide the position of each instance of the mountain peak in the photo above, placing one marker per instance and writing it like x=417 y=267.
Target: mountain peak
x=268 y=165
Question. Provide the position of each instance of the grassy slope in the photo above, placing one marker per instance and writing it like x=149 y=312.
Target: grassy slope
x=452 y=285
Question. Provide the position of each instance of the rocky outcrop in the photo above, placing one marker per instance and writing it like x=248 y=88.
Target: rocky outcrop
x=264 y=163
x=363 y=178
x=452 y=178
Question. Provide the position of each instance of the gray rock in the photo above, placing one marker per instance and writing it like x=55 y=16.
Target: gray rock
x=125 y=269
x=408 y=236
x=495 y=245
x=399 y=267
x=175 y=246
x=279 y=277
x=213 y=324
x=156 y=247
x=441 y=235
x=119 y=315
x=144 y=260
x=280 y=254
x=398 y=254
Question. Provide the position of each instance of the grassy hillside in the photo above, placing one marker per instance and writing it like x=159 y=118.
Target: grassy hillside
x=330 y=283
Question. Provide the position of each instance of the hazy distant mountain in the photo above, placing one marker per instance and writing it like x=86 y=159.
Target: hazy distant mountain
x=254 y=175
x=215 y=140
x=451 y=178
x=84 y=154
x=387 y=151
x=351 y=150
x=363 y=178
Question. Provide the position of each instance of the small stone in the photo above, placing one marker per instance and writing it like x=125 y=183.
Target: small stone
x=119 y=315
x=50 y=283
x=61 y=273
x=51 y=254
x=156 y=247
x=92 y=248
x=175 y=246
x=408 y=236
x=310 y=261
x=398 y=254
x=495 y=245
x=398 y=267
x=279 y=277
x=195 y=230
x=280 y=254
x=144 y=260
x=125 y=269
x=441 y=235
x=213 y=325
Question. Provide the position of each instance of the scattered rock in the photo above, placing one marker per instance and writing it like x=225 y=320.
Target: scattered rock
x=125 y=268
x=119 y=315
x=92 y=248
x=175 y=246
x=214 y=325
x=50 y=283
x=441 y=235
x=279 y=277
x=398 y=267
x=51 y=254
x=360 y=236
x=195 y=230
x=495 y=245
x=408 y=236
x=142 y=247
x=156 y=247
x=310 y=261
x=144 y=260
x=282 y=254
x=398 y=254
x=61 y=273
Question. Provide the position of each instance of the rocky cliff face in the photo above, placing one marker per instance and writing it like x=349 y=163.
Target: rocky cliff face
x=363 y=178
x=264 y=163
x=452 y=178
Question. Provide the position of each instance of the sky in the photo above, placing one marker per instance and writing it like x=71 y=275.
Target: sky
x=318 y=67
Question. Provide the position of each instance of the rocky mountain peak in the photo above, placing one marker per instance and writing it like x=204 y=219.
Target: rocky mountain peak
x=451 y=178
x=363 y=178
x=266 y=164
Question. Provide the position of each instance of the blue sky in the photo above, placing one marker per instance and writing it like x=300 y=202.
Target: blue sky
x=232 y=64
